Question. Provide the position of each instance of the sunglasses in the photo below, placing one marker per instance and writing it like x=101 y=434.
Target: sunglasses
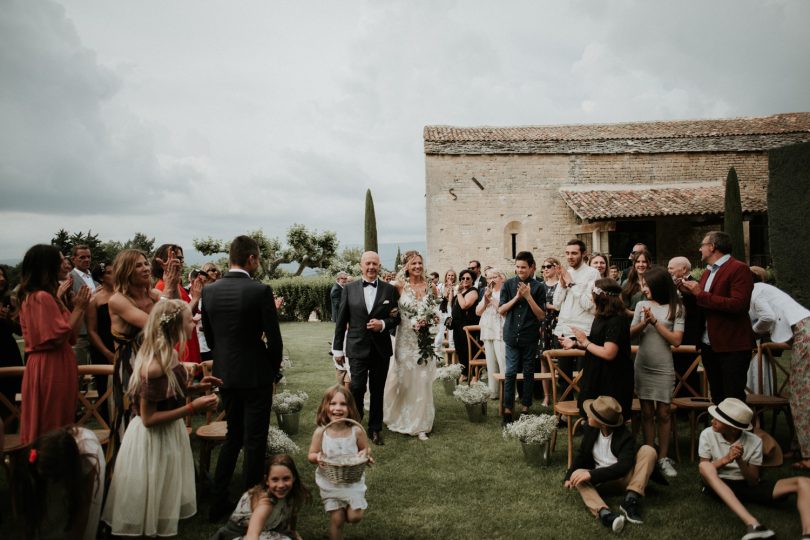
x=547 y=266
x=467 y=278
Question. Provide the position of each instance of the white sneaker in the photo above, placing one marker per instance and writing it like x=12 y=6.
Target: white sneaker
x=666 y=466
x=422 y=436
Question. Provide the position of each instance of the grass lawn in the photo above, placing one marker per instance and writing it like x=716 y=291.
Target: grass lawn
x=467 y=482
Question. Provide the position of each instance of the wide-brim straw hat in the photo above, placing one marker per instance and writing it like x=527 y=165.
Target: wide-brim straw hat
x=605 y=410
x=734 y=413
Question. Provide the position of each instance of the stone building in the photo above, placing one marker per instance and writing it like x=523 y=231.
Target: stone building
x=494 y=191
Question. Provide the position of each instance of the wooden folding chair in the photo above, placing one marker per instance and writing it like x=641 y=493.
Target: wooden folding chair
x=475 y=353
x=91 y=403
x=213 y=432
x=13 y=448
x=565 y=404
x=696 y=405
x=779 y=401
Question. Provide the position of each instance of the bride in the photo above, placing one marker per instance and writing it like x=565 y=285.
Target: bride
x=408 y=399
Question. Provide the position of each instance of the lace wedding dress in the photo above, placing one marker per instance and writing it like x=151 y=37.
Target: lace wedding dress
x=408 y=399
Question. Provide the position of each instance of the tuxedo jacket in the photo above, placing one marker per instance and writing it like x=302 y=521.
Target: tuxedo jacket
x=724 y=308
x=238 y=313
x=352 y=314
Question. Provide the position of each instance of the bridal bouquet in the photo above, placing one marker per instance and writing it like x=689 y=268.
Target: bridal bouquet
x=423 y=316
x=289 y=402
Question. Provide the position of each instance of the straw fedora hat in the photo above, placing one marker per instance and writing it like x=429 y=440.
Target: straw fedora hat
x=734 y=413
x=604 y=410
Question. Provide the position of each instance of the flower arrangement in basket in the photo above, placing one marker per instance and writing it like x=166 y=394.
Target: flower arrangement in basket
x=531 y=429
x=451 y=372
x=344 y=469
x=287 y=402
x=279 y=443
x=472 y=394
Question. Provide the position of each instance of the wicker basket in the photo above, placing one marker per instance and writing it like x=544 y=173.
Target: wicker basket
x=344 y=470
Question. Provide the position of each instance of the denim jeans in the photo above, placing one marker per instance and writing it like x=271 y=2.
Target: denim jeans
x=515 y=355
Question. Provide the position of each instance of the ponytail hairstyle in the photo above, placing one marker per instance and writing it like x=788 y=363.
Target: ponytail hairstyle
x=607 y=298
x=164 y=330
x=662 y=290
x=406 y=258
x=54 y=458
x=322 y=416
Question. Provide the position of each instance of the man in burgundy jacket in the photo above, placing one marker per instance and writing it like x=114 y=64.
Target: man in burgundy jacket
x=723 y=296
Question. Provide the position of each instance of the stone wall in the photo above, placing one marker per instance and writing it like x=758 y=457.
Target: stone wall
x=521 y=194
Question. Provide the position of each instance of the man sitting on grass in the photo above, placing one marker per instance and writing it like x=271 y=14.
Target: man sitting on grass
x=730 y=458
x=607 y=458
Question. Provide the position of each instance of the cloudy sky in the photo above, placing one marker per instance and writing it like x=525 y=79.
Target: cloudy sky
x=193 y=118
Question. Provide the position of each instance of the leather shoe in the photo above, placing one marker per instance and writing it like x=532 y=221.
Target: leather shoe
x=377 y=438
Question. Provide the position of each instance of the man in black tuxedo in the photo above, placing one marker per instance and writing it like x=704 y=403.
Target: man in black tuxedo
x=241 y=327
x=368 y=307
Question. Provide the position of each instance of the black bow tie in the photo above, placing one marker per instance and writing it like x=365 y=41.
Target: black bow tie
x=370 y=284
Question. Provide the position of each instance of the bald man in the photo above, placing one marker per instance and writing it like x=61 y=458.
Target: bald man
x=368 y=307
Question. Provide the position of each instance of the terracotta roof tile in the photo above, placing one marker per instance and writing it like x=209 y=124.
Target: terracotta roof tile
x=765 y=125
x=611 y=201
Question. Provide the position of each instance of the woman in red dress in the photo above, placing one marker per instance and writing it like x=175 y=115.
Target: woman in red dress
x=192 y=346
x=51 y=380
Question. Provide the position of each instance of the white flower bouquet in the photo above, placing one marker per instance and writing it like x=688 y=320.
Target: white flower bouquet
x=287 y=402
x=279 y=443
x=531 y=428
x=423 y=316
x=449 y=373
x=472 y=394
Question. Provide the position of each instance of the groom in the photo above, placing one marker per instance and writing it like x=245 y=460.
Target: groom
x=369 y=308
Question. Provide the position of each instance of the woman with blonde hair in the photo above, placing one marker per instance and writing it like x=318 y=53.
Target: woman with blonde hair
x=408 y=402
x=492 y=327
x=153 y=484
x=129 y=307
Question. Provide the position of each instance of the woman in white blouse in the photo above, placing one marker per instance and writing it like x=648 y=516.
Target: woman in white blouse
x=774 y=312
x=492 y=327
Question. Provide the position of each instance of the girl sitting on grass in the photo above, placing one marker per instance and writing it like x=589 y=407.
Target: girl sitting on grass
x=343 y=503
x=269 y=511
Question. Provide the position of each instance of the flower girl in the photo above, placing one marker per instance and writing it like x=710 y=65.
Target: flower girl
x=153 y=482
x=343 y=503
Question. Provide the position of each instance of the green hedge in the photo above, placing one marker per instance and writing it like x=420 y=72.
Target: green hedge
x=302 y=296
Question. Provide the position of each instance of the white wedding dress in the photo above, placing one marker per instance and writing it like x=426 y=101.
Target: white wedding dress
x=408 y=399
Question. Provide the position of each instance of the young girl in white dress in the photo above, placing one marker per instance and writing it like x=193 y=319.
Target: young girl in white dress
x=269 y=511
x=153 y=481
x=343 y=503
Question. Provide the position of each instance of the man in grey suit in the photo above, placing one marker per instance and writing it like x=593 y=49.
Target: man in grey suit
x=368 y=307
x=80 y=256
x=241 y=327
x=336 y=292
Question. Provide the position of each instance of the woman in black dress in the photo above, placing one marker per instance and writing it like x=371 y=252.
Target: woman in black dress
x=463 y=313
x=607 y=368
x=99 y=326
x=9 y=350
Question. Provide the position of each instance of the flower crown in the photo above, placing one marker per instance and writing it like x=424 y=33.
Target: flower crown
x=167 y=318
x=597 y=290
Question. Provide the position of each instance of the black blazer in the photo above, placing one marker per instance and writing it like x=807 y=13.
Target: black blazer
x=334 y=295
x=360 y=342
x=623 y=446
x=237 y=313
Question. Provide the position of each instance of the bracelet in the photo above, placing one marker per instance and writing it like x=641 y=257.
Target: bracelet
x=191 y=408
x=586 y=346
x=655 y=322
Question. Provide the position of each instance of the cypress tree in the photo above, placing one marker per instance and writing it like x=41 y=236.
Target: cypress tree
x=732 y=217
x=398 y=260
x=370 y=243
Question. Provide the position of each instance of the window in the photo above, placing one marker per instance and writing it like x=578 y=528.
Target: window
x=512 y=239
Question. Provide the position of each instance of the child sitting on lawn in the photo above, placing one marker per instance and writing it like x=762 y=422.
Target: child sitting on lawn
x=730 y=458
x=607 y=458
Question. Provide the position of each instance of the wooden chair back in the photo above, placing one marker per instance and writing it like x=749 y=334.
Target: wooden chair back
x=682 y=378
x=558 y=374
x=90 y=417
x=10 y=411
x=780 y=375
x=476 y=354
